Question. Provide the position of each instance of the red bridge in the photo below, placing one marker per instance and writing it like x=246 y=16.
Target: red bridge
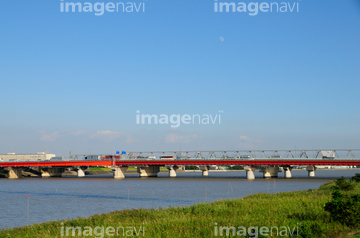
x=278 y=162
x=148 y=168
x=164 y=162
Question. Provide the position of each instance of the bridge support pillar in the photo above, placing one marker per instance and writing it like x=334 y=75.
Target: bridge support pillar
x=51 y=172
x=205 y=170
x=270 y=172
x=45 y=174
x=15 y=173
x=250 y=172
x=119 y=172
x=172 y=171
x=311 y=170
x=80 y=173
x=150 y=171
x=287 y=172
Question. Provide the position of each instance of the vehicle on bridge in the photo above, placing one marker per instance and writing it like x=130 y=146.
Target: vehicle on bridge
x=248 y=157
x=57 y=159
x=275 y=157
x=93 y=157
x=169 y=157
x=328 y=154
x=182 y=157
x=109 y=157
x=141 y=157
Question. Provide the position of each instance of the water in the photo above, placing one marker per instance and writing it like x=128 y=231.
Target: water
x=62 y=198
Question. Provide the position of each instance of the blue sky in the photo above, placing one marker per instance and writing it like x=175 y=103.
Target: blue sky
x=74 y=81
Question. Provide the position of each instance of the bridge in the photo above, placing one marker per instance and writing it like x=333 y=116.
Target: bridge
x=148 y=164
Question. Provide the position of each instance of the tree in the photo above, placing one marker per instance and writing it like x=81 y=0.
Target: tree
x=344 y=208
x=356 y=178
x=344 y=184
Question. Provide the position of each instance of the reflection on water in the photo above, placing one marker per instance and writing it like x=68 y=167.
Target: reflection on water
x=62 y=198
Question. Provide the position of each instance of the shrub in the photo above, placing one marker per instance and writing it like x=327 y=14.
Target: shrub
x=343 y=184
x=356 y=178
x=310 y=229
x=344 y=208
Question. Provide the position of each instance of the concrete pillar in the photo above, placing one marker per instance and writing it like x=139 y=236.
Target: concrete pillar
x=266 y=174
x=311 y=170
x=45 y=174
x=15 y=173
x=80 y=173
x=150 y=171
x=119 y=172
x=205 y=170
x=250 y=172
x=287 y=172
x=172 y=171
x=270 y=172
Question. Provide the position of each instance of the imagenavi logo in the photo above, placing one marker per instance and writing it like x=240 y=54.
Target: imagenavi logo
x=253 y=8
x=175 y=120
x=100 y=8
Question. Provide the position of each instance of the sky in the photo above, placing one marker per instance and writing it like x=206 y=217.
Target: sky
x=74 y=81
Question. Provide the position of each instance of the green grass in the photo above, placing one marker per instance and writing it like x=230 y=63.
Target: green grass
x=304 y=209
x=132 y=168
x=99 y=169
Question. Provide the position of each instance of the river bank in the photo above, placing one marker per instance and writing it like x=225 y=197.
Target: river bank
x=300 y=211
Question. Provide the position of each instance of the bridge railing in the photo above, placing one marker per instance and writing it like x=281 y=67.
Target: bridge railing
x=345 y=154
x=319 y=154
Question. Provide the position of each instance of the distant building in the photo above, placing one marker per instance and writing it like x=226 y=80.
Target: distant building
x=22 y=157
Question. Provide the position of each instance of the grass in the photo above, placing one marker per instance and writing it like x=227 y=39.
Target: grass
x=304 y=209
x=99 y=169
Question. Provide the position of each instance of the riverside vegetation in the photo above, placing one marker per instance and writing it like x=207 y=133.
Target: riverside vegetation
x=333 y=210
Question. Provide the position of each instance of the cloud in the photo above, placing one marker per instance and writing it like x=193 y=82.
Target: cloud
x=248 y=142
x=80 y=133
x=45 y=136
x=244 y=138
x=130 y=139
x=107 y=135
x=173 y=138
